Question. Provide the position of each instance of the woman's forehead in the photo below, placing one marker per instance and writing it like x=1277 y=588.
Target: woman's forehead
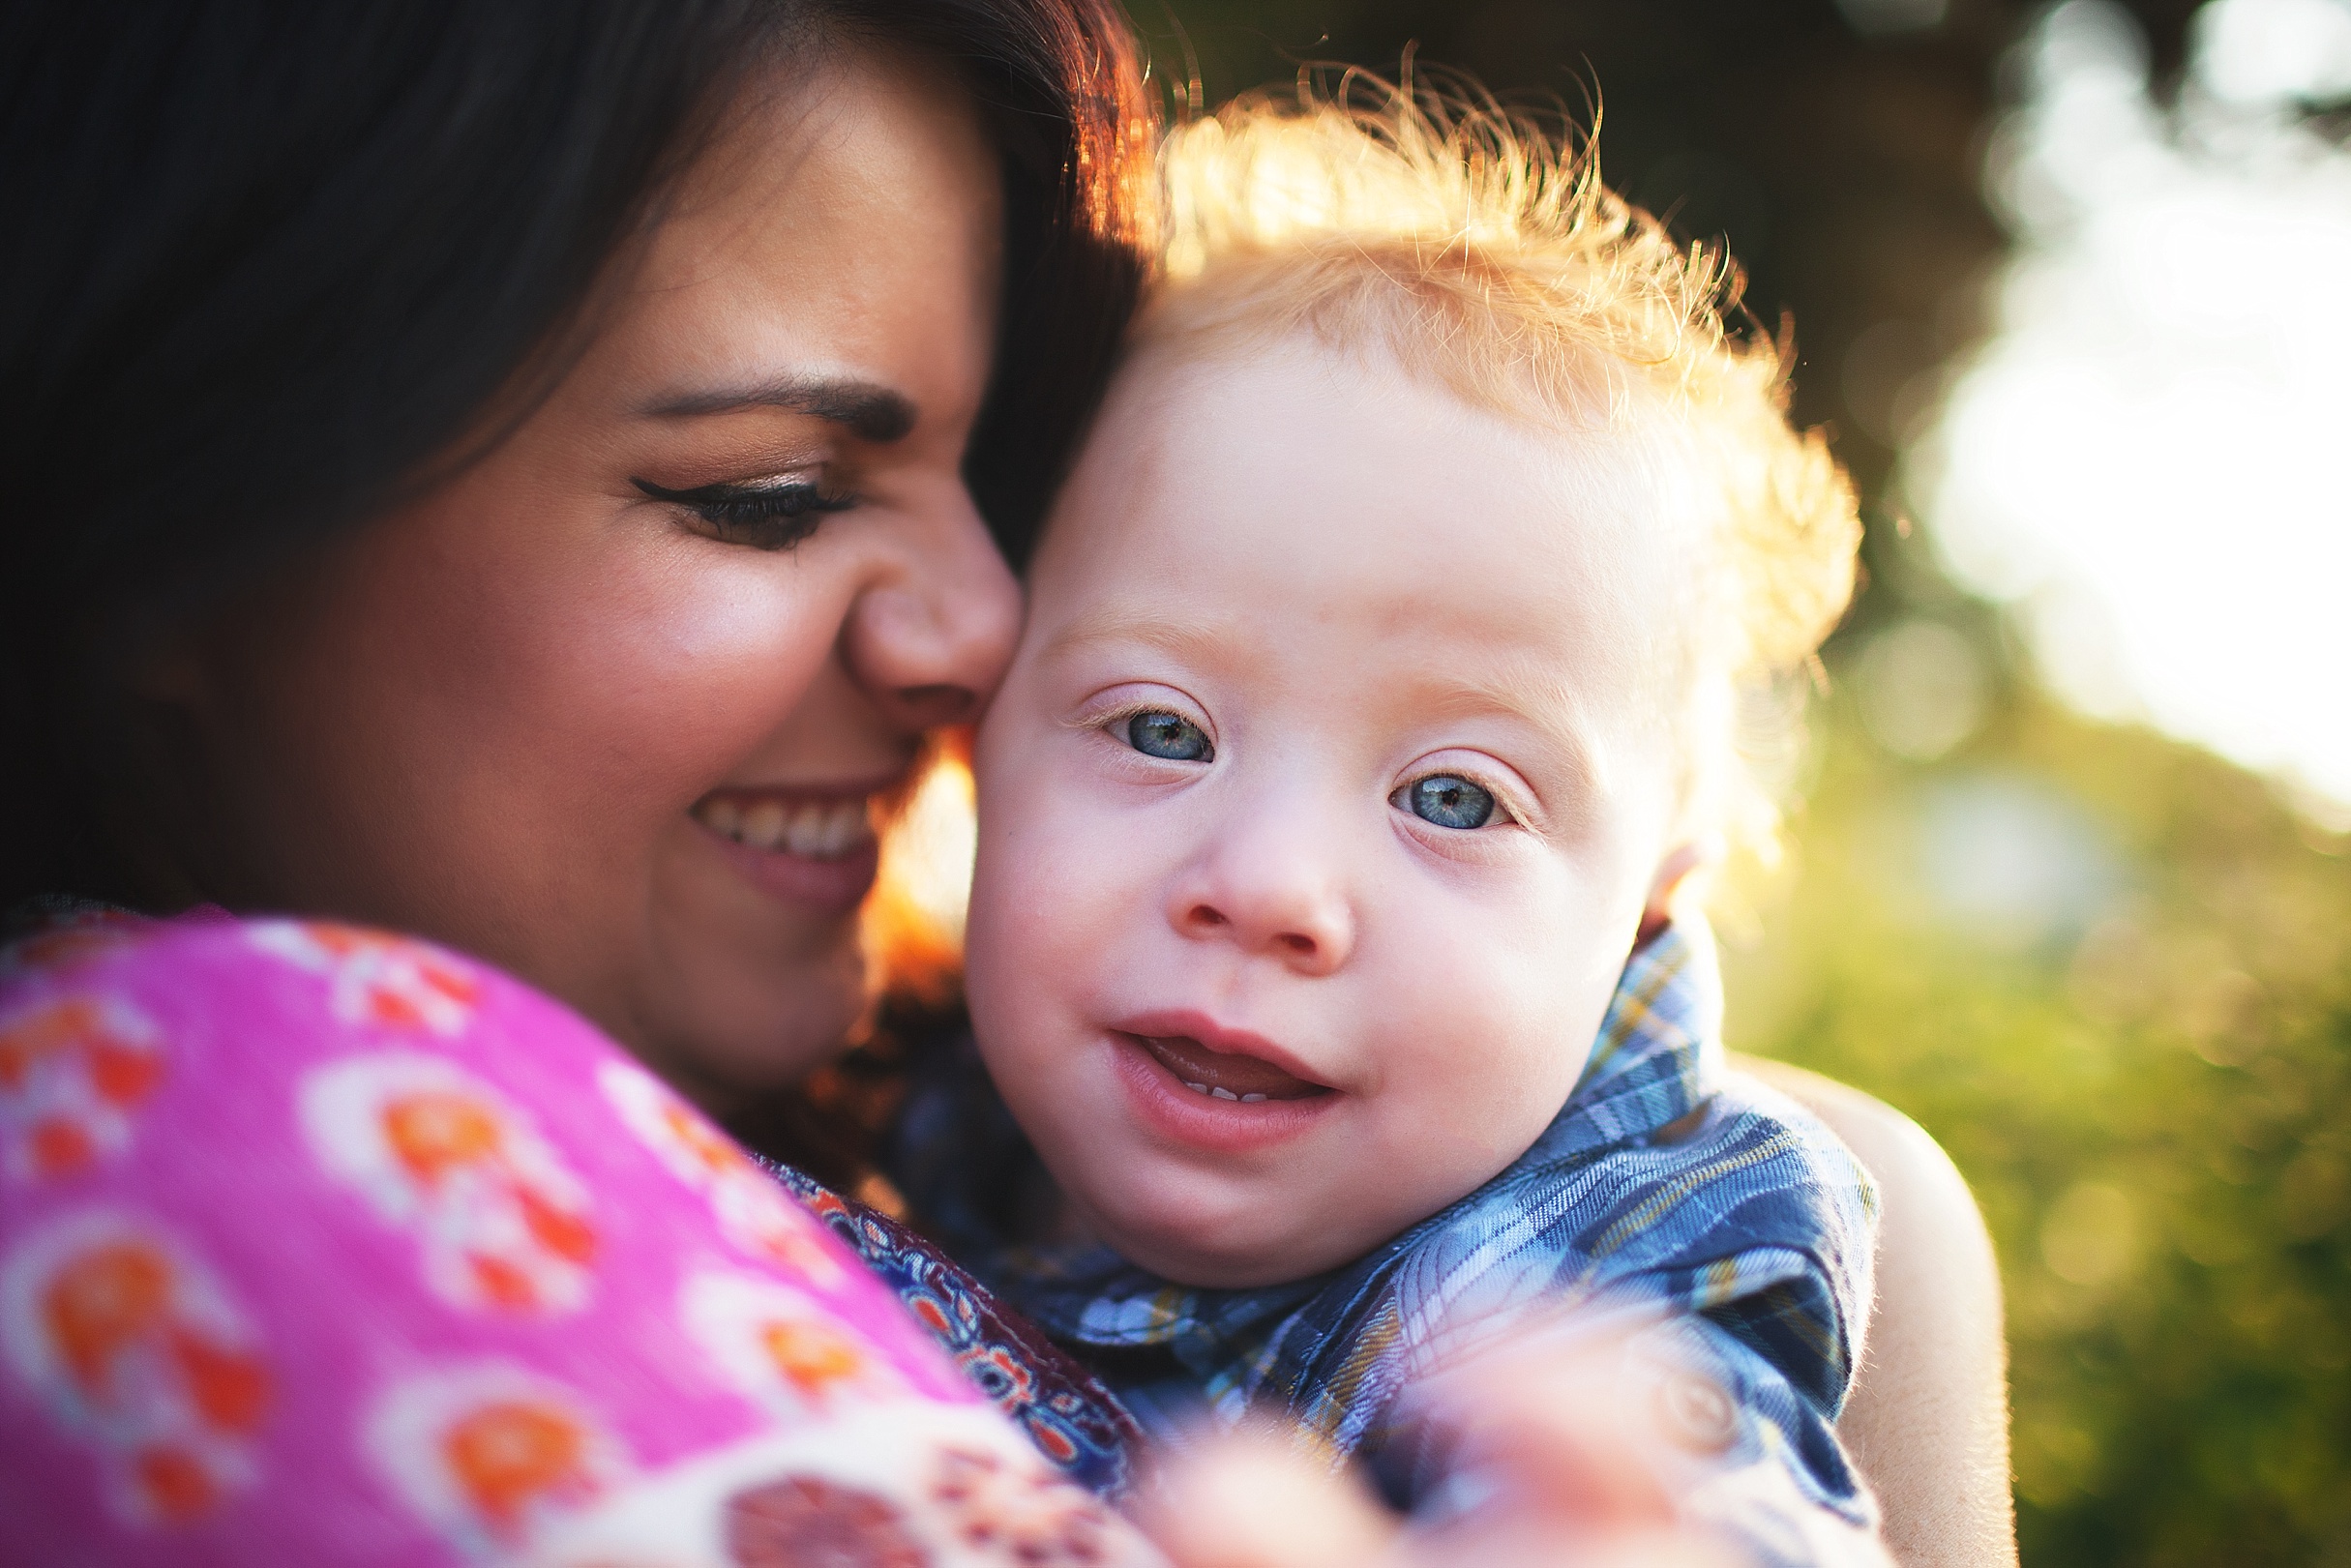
x=829 y=225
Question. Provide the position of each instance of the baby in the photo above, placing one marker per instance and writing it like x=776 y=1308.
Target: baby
x=1374 y=706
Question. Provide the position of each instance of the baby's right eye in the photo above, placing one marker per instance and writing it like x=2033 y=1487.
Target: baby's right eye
x=1157 y=732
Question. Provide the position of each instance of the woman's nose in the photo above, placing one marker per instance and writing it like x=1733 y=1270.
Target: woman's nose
x=1279 y=905
x=930 y=636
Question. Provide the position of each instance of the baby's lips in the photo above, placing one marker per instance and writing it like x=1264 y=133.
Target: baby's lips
x=1235 y=1072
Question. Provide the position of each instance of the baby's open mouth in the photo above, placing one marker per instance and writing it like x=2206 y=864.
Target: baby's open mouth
x=1222 y=1075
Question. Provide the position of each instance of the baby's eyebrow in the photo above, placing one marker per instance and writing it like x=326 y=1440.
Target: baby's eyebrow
x=1193 y=640
x=1534 y=696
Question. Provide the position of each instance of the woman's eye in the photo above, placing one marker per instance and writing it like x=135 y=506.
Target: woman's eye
x=764 y=517
x=1170 y=735
x=1448 y=799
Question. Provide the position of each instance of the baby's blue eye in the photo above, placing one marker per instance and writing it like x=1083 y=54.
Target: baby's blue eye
x=1449 y=800
x=1170 y=735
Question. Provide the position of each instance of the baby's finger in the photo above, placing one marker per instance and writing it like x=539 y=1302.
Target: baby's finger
x=1547 y=1422
x=1252 y=1502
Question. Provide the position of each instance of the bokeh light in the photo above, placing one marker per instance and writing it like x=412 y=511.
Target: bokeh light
x=2148 y=456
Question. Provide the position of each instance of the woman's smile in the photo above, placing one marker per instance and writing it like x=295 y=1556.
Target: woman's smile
x=814 y=847
x=817 y=824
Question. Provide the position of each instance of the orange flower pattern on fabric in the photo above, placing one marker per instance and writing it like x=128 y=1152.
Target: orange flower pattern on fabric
x=72 y=1069
x=758 y=1217
x=388 y=981
x=344 y=1258
x=502 y=1222
x=779 y=1346
x=492 y=1453
x=1070 y=1417
x=133 y=1346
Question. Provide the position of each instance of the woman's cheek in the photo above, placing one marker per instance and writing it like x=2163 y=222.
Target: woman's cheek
x=704 y=661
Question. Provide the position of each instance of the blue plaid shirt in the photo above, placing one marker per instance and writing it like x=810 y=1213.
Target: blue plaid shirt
x=1715 y=1227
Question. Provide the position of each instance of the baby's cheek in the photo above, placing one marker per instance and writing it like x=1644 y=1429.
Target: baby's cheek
x=1046 y=899
x=1053 y=857
x=1502 y=1037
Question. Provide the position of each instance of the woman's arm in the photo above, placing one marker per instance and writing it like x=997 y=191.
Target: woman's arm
x=1928 y=1421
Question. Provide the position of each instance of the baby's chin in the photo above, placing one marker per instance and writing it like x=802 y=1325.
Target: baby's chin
x=1225 y=1253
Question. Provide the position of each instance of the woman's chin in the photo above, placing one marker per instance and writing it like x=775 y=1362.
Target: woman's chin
x=726 y=1075
x=728 y=1028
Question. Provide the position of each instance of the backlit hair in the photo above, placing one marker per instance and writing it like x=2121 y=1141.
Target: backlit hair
x=1484 y=254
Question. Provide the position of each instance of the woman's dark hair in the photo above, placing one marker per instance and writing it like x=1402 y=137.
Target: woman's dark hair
x=271 y=263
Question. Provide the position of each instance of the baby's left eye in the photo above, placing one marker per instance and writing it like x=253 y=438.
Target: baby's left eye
x=1170 y=735
x=1448 y=799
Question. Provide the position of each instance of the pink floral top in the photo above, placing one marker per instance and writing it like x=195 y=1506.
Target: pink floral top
x=318 y=1245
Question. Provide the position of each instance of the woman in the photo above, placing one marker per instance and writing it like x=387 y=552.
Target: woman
x=515 y=472
x=662 y=240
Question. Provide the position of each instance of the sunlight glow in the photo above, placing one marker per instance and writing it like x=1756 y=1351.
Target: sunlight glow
x=914 y=918
x=2151 y=457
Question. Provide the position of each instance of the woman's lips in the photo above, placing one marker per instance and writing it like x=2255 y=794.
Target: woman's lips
x=808 y=847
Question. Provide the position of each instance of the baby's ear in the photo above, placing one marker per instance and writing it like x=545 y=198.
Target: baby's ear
x=1681 y=863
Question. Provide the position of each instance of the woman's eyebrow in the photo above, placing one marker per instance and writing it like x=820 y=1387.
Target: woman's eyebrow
x=872 y=413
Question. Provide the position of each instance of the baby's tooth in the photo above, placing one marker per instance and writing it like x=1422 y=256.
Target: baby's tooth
x=764 y=825
x=1252 y=1099
x=724 y=816
x=1222 y=1093
x=1197 y=1088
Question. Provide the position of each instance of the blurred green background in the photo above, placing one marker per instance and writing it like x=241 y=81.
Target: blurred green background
x=2109 y=971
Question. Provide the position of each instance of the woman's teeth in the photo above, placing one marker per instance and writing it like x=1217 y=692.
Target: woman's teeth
x=819 y=830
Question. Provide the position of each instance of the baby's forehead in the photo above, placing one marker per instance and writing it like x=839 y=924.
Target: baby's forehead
x=1612 y=424
x=1342 y=448
x=1286 y=479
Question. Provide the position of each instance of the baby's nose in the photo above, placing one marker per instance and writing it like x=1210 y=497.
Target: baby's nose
x=1304 y=924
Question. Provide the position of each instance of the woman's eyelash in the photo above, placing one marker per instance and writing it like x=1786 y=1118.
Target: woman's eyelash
x=764 y=517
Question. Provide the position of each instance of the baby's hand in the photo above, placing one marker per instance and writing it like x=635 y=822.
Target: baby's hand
x=1572 y=1489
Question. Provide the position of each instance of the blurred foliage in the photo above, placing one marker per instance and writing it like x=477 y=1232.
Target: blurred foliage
x=2110 y=973
x=2151 y=1094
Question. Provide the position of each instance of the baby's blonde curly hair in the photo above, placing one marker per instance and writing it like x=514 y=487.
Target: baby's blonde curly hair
x=1484 y=253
